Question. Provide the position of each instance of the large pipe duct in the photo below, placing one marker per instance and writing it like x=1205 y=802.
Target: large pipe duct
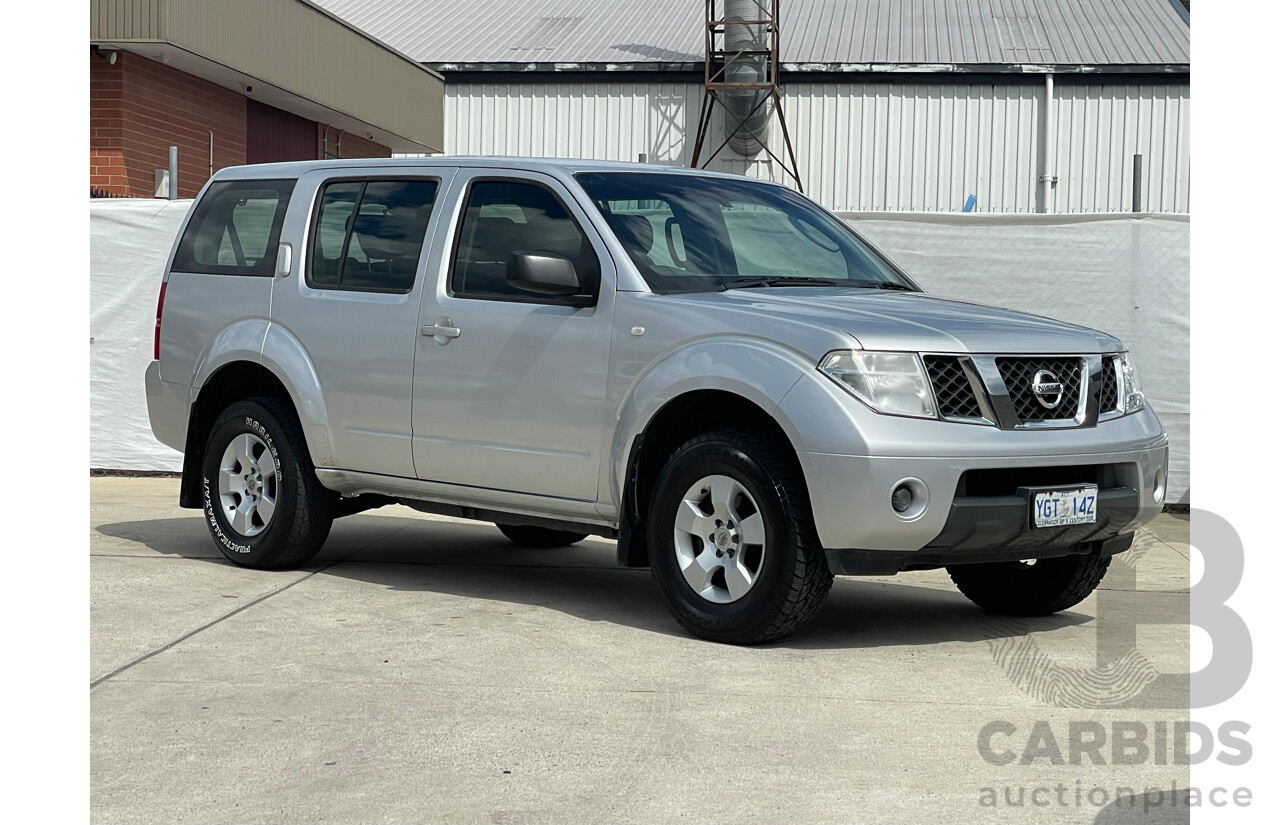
x=746 y=68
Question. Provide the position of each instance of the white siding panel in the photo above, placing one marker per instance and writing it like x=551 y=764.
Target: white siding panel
x=867 y=146
x=1101 y=127
x=605 y=121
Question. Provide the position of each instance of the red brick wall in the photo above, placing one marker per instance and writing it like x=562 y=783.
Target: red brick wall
x=138 y=108
x=106 y=124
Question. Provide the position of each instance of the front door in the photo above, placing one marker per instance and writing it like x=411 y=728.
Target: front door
x=509 y=385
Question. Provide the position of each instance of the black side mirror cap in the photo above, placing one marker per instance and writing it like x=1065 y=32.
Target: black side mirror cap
x=546 y=273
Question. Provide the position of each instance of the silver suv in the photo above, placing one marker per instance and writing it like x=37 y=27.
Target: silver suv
x=713 y=370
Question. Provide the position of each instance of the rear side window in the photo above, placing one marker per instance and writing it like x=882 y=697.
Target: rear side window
x=368 y=234
x=235 y=229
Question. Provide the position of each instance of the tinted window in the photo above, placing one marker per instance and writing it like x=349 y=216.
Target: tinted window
x=235 y=229
x=505 y=217
x=368 y=234
x=692 y=233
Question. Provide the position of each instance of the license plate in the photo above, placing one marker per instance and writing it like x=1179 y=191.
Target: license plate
x=1056 y=508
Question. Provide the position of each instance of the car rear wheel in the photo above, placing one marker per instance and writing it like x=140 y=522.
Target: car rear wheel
x=540 y=537
x=1030 y=588
x=732 y=543
x=263 y=504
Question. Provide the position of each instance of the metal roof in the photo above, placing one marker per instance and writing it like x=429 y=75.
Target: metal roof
x=817 y=35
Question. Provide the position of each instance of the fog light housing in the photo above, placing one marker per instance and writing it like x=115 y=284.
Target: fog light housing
x=1157 y=489
x=909 y=498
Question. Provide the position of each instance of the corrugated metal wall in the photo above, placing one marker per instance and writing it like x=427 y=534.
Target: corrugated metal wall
x=130 y=19
x=918 y=147
x=868 y=146
x=1100 y=129
x=605 y=121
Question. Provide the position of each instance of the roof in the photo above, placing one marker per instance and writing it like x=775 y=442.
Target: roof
x=295 y=168
x=817 y=35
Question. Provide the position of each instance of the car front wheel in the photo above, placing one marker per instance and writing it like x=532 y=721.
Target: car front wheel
x=732 y=543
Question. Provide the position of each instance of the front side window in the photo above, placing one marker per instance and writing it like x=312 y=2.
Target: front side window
x=689 y=233
x=235 y=229
x=368 y=234
x=505 y=217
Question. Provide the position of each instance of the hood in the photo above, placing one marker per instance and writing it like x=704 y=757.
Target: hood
x=907 y=321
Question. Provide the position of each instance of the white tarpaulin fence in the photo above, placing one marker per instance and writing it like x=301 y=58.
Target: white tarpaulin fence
x=129 y=243
x=1127 y=275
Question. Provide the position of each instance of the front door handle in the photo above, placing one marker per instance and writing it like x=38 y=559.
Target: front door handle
x=443 y=331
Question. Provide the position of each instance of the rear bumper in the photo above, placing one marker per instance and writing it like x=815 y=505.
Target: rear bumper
x=167 y=408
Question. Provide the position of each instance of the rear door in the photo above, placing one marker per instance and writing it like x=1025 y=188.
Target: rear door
x=509 y=385
x=352 y=298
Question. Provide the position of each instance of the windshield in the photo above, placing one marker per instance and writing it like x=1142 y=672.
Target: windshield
x=688 y=233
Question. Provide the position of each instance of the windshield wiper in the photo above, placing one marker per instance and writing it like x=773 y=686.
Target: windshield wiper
x=776 y=280
x=882 y=285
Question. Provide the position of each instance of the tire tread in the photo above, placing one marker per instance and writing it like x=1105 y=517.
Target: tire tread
x=310 y=508
x=811 y=579
x=994 y=588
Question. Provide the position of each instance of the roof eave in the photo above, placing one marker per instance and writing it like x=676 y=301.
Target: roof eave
x=579 y=68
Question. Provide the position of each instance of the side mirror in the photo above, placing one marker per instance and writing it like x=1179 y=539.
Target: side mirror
x=545 y=273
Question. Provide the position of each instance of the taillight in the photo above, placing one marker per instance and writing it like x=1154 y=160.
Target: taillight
x=159 y=312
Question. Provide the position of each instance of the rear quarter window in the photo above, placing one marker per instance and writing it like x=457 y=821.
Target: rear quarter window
x=235 y=229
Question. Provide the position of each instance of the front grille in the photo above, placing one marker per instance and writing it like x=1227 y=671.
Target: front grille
x=1109 y=389
x=951 y=387
x=1019 y=375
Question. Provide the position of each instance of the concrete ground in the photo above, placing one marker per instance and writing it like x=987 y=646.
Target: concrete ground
x=423 y=669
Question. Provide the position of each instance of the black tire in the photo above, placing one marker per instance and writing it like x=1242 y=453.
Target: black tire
x=540 y=537
x=792 y=578
x=1018 y=588
x=303 y=511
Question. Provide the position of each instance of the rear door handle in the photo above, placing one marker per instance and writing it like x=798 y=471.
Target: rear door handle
x=443 y=331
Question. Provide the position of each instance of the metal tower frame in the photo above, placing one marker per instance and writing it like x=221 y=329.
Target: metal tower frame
x=719 y=59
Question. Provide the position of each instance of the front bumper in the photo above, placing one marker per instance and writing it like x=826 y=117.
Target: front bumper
x=969 y=477
x=996 y=528
x=852 y=505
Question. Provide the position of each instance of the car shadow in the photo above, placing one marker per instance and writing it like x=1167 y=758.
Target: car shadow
x=474 y=560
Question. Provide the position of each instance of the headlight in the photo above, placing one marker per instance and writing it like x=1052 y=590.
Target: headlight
x=893 y=383
x=1131 y=395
